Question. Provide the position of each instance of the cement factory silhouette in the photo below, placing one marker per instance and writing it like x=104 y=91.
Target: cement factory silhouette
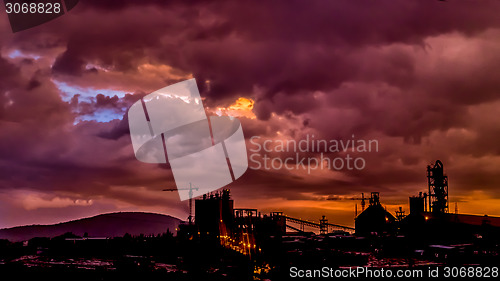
x=227 y=243
x=429 y=234
x=217 y=219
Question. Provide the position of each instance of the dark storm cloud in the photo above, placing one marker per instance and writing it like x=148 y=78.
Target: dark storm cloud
x=9 y=73
x=404 y=72
x=94 y=104
x=286 y=46
x=282 y=46
x=42 y=150
x=68 y=63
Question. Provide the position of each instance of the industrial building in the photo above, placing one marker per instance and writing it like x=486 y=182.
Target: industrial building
x=429 y=233
x=375 y=219
x=244 y=229
x=430 y=217
x=239 y=229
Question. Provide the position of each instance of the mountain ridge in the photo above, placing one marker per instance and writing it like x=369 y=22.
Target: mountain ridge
x=102 y=225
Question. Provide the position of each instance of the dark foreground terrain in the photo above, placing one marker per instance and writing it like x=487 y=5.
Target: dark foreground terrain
x=167 y=257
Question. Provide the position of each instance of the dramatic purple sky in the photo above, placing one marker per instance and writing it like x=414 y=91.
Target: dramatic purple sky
x=421 y=77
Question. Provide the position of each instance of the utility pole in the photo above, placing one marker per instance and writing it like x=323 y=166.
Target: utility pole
x=191 y=188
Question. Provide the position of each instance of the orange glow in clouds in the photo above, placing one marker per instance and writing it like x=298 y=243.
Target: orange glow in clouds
x=242 y=107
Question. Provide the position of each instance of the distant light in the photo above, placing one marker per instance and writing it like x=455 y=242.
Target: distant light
x=426 y=217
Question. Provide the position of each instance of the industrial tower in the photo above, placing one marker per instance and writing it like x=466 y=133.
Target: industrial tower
x=438 y=188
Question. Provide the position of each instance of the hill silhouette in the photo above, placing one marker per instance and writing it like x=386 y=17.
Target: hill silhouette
x=104 y=225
